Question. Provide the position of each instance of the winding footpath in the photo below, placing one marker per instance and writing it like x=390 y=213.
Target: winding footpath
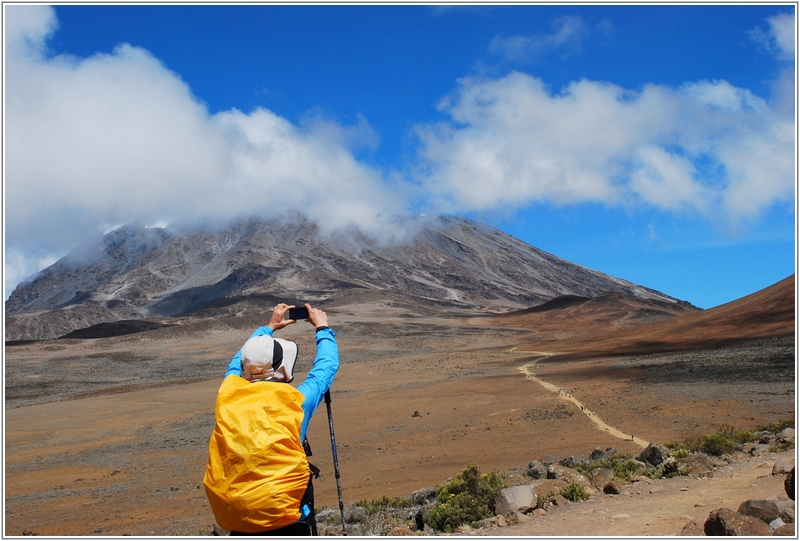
x=567 y=395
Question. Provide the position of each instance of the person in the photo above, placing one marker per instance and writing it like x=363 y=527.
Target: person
x=266 y=358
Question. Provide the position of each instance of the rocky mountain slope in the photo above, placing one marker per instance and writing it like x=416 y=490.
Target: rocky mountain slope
x=449 y=263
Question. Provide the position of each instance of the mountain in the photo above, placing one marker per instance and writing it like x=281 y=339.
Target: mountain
x=447 y=264
x=599 y=327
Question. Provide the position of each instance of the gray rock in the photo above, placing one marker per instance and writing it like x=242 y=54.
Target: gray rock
x=698 y=465
x=536 y=470
x=777 y=523
x=760 y=449
x=763 y=509
x=558 y=501
x=600 y=477
x=612 y=487
x=423 y=495
x=786 y=435
x=727 y=522
x=653 y=454
x=519 y=498
x=554 y=471
x=498 y=521
x=782 y=467
x=786 y=509
x=693 y=528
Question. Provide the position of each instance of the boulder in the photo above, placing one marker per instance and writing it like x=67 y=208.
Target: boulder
x=786 y=435
x=519 y=498
x=777 y=523
x=763 y=509
x=536 y=470
x=693 y=528
x=698 y=465
x=788 y=485
x=760 y=449
x=555 y=471
x=782 y=467
x=653 y=454
x=569 y=462
x=423 y=495
x=786 y=529
x=600 y=477
x=597 y=454
x=544 y=488
x=558 y=501
x=727 y=522
x=498 y=521
x=786 y=509
x=612 y=487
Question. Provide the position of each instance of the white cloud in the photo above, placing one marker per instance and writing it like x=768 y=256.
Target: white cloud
x=513 y=142
x=779 y=36
x=567 y=34
x=117 y=137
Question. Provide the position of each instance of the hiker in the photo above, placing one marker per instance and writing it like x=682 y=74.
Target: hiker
x=258 y=480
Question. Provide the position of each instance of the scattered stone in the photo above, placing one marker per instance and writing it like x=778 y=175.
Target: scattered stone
x=693 y=528
x=416 y=414
x=498 y=521
x=600 y=477
x=612 y=487
x=727 y=522
x=697 y=465
x=763 y=509
x=423 y=495
x=555 y=471
x=775 y=524
x=782 y=467
x=519 y=498
x=558 y=501
x=536 y=470
x=654 y=454
x=786 y=508
x=760 y=449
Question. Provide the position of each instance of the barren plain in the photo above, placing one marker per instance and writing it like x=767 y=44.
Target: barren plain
x=108 y=436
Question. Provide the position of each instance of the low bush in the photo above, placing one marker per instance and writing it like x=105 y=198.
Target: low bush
x=575 y=492
x=465 y=499
x=384 y=503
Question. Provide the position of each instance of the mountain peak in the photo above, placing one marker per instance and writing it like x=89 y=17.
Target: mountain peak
x=135 y=272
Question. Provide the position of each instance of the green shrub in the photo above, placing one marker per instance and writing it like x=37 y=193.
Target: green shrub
x=623 y=465
x=384 y=503
x=777 y=426
x=465 y=499
x=718 y=444
x=575 y=492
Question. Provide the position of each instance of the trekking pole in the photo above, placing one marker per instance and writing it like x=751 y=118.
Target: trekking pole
x=335 y=458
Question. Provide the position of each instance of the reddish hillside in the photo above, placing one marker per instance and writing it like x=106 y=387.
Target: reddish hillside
x=766 y=313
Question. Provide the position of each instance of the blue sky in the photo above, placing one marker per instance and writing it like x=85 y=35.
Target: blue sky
x=654 y=143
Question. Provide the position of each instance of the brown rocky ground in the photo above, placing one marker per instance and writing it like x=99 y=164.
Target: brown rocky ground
x=108 y=436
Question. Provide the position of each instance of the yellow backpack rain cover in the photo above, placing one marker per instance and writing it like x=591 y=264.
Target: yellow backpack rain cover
x=257 y=469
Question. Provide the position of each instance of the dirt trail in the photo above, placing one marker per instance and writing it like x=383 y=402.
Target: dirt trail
x=567 y=395
x=659 y=507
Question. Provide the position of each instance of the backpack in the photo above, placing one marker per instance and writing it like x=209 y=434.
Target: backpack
x=257 y=473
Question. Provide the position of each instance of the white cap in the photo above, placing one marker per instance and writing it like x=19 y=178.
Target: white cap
x=273 y=359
